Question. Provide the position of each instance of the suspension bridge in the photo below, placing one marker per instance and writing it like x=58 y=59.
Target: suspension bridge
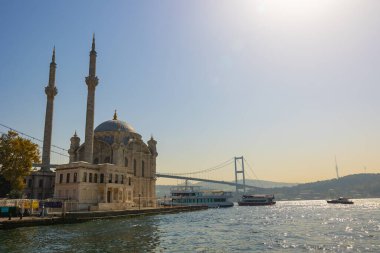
x=208 y=175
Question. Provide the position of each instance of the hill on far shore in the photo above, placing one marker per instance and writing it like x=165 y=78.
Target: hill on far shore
x=351 y=186
x=163 y=190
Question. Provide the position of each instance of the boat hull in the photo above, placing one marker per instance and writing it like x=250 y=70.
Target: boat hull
x=340 y=202
x=209 y=205
x=256 y=204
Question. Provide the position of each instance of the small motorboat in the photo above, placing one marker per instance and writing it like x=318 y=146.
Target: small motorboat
x=340 y=200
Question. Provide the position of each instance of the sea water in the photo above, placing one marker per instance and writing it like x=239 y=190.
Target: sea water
x=288 y=226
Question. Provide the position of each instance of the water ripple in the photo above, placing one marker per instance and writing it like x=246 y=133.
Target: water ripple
x=289 y=226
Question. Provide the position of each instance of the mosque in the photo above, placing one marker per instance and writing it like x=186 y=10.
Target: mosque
x=113 y=169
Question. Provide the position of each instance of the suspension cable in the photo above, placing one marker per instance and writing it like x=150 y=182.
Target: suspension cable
x=31 y=137
x=249 y=166
x=39 y=146
x=216 y=167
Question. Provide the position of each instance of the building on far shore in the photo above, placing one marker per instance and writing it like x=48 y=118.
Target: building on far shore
x=113 y=169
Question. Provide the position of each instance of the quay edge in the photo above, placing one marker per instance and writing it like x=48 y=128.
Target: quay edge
x=78 y=217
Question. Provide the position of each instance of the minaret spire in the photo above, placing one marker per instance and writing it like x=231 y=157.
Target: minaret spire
x=53 y=66
x=53 y=56
x=115 y=115
x=92 y=69
x=93 y=42
x=91 y=81
x=51 y=92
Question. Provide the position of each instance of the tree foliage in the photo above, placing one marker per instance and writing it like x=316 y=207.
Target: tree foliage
x=17 y=156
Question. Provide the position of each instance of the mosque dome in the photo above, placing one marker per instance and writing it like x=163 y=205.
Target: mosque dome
x=115 y=125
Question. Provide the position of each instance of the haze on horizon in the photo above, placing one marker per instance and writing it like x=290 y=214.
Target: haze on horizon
x=288 y=84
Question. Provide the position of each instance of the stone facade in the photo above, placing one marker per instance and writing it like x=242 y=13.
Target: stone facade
x=116 y=143
x=94 y=186
x=39 y=184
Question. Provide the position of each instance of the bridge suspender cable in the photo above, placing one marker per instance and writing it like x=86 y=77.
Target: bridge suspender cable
x=250 y=168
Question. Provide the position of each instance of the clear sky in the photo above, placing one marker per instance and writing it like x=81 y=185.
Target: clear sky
x=289 y=84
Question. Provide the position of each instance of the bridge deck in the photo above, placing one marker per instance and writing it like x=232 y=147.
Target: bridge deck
x=182 y=178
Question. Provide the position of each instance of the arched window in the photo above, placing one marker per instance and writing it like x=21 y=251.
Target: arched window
x=95 y=178
x=142 y=168
x=134 y=167
x=126 y=162
x=129 y=181
x=101 y=178
x=116 y=178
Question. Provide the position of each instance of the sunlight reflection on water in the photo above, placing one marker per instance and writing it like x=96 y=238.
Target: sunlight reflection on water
x=286 y=227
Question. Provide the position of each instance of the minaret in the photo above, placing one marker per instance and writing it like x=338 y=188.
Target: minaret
x=50 y=91
x=74 y=145
x=91 y=81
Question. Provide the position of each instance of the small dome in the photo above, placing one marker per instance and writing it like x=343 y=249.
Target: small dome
x=114 y=126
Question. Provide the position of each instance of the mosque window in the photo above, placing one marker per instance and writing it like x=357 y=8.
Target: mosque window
x=75 y=177
x=90 y=178
x=84 y=177
x=116 y=178
x=142 y=168
x=96 y=160
x=134 y=167
x=60 y=178
x=95 y=178
x=68 y=178
x=101 y=178
x=110 y=178
x=107 y=160
x=126 y=162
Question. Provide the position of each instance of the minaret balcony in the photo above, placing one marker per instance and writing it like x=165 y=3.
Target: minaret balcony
x=51 y=91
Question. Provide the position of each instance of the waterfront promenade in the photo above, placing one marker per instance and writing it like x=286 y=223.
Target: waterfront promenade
x=77 y=217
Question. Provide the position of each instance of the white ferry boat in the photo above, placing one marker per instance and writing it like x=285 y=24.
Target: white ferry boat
x=193 y=196
x=257 y=200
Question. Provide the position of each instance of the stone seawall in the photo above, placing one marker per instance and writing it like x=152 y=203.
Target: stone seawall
x=76 y=217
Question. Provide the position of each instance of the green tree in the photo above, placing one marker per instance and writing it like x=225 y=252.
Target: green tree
x=17 y=156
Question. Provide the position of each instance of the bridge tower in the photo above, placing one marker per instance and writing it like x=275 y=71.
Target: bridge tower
x=239 y=188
